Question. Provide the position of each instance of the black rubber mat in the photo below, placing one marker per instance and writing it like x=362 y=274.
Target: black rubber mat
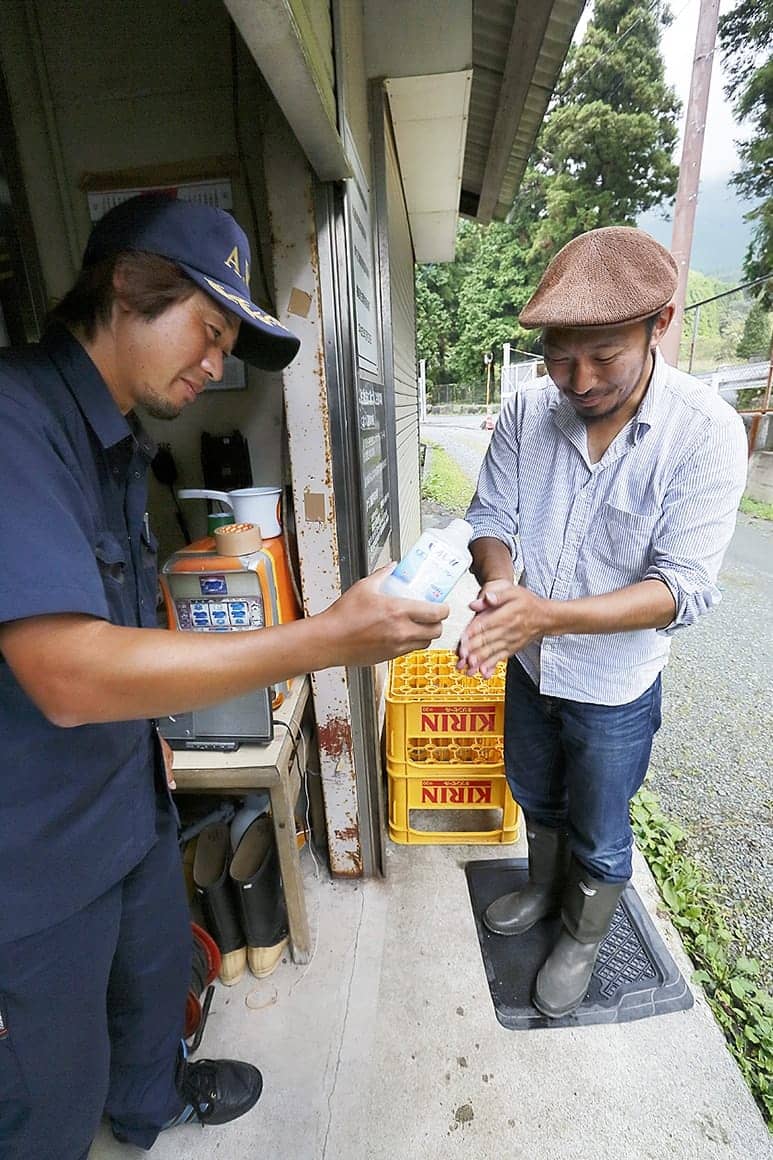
x=634 y=976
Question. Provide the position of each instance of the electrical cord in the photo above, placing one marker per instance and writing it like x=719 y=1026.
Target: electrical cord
x=304 y=775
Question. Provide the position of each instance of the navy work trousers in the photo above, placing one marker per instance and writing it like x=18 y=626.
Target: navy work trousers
x=576 y=766
x=93 y=1012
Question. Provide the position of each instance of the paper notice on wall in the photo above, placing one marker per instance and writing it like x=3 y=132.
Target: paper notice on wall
x=215 y=193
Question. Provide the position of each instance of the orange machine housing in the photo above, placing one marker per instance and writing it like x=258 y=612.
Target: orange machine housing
x=206 y=592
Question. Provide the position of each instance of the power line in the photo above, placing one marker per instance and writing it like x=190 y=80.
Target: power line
x=611 y=92
x=619 y=40
x=724 y=294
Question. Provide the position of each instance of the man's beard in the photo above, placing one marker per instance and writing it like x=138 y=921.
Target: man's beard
x=158 y=407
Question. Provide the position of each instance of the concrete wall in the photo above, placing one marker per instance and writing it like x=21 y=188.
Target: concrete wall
x=97 y=87
x=759 y=484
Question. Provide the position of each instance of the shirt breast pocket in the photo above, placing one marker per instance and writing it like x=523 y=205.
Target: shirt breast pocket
x=622 y=540
x=111 y=561
x=112 y=564
x=149 y=544
x=150 y=592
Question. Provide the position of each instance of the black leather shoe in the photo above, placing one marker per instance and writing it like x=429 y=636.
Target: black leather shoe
x=217 y=1091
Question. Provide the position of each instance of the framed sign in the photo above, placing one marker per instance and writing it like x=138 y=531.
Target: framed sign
x=216 y=193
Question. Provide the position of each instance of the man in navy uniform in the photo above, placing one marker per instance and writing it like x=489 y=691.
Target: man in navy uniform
x=95 y=938
x=615 y=491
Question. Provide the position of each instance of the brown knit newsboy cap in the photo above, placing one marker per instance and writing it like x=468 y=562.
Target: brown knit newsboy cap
x=602 y=278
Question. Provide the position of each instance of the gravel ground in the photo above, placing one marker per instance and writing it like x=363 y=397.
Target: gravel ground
x=712 y=764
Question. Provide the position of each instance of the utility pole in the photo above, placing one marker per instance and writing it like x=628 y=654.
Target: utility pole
x=690 y=167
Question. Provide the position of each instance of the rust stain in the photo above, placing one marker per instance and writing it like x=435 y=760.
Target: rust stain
x=311 y=217
x=340 y=870
x=335 y=736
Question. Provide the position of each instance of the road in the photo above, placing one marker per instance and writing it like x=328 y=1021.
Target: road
x=712 y=760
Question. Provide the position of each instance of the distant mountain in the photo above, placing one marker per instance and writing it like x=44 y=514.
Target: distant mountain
x=720 y=236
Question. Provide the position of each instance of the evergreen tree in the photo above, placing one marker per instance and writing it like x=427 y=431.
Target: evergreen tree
x=437 y=306
x=746 y=36
x=493 y=292
x=433 y=322
x=756 y=337
x=606 y=145
x=603 y=157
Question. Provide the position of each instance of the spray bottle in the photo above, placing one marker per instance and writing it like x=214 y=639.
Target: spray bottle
x=433 y=565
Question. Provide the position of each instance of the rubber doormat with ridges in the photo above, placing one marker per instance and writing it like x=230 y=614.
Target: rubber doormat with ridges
x=634 y=976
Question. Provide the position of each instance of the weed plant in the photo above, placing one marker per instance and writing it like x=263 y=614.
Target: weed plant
x=742 y=1008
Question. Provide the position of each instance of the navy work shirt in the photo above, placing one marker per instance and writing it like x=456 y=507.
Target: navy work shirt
x=77 y=806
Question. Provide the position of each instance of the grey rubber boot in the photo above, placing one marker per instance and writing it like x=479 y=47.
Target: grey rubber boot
x=548 y=863
x=586 y=913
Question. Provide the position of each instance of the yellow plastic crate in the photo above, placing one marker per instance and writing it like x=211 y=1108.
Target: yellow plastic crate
x=436 y=790
x=457 y=750
x=444 y=750
x=435 y=714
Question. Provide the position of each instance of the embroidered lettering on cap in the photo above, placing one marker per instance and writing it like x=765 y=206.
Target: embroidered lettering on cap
x=3 y=1025
x=247 y=307
x=232 y=261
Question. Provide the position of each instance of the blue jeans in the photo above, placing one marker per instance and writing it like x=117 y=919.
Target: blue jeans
x=576 y=766
x=94 y=1011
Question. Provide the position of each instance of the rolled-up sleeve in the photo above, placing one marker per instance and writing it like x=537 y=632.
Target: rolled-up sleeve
x=697 y=522
x=494 y=507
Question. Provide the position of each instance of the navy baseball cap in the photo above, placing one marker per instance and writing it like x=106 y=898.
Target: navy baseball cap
x=210 y=247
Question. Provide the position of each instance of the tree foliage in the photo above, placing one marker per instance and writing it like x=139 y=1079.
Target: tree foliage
x=746 y=37
x=602 y=158
x=606 y=146
x=756 y=337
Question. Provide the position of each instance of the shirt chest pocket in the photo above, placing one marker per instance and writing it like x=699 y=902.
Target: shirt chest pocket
x=149 y=593
x=113 y=567
x=622 y=539
x=111 y=561
x=148 y=548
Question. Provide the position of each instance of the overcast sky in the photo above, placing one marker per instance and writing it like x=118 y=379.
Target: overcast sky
x=678 y=45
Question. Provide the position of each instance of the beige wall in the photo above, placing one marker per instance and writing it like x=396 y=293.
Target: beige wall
x=97 y=87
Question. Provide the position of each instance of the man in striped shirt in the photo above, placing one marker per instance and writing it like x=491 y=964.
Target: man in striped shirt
x=614 y=492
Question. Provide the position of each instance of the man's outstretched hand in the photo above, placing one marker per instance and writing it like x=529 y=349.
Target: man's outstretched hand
x=507 y=618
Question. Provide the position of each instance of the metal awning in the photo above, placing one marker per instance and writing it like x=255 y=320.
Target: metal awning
x=518 y=50
x=463 y=135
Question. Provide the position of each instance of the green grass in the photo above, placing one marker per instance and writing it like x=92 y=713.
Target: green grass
x=743 y=1009
x=445 y=483
x=756 y=507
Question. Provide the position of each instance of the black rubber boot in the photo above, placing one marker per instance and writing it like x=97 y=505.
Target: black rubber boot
x=587 y=909
x=213 y=887
x=548 y=862
x=255 y=876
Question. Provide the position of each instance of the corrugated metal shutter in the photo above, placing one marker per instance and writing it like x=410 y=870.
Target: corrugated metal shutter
x=403 y=338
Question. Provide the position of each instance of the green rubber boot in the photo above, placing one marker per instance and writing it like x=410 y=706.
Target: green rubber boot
x=548 y=862
x=587 y=909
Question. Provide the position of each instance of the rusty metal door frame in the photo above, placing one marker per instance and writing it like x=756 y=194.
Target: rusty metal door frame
x=336 y=283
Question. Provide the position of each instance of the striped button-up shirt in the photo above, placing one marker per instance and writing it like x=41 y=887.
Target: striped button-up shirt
x=660 y=504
